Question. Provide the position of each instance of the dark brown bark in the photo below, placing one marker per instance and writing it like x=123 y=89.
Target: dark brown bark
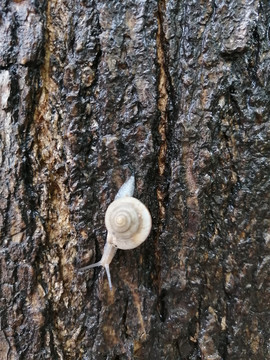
x=179 y=91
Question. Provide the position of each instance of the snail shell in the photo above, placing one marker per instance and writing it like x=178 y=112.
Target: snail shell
x=128 y=221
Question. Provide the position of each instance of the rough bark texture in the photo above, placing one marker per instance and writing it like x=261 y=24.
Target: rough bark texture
x=179 y=91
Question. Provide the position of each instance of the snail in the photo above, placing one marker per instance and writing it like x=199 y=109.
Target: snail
x=128 y=223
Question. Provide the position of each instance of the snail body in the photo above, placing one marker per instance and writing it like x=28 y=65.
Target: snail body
x=128 y=223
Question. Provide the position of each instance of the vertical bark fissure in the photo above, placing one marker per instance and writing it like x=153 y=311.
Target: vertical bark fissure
x=162 y=107
x=163 y=98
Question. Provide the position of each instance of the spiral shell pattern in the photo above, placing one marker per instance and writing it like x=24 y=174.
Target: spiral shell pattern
x=128 y=221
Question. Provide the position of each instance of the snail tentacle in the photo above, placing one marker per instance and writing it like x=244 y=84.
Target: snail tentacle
x=90 y=266
x=107 y=268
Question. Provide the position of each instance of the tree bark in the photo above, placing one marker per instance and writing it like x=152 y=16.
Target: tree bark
x=179 y=91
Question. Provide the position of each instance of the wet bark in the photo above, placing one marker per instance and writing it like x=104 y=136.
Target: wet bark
x=180 y=92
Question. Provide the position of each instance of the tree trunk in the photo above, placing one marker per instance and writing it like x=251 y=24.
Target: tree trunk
x=179 y=91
